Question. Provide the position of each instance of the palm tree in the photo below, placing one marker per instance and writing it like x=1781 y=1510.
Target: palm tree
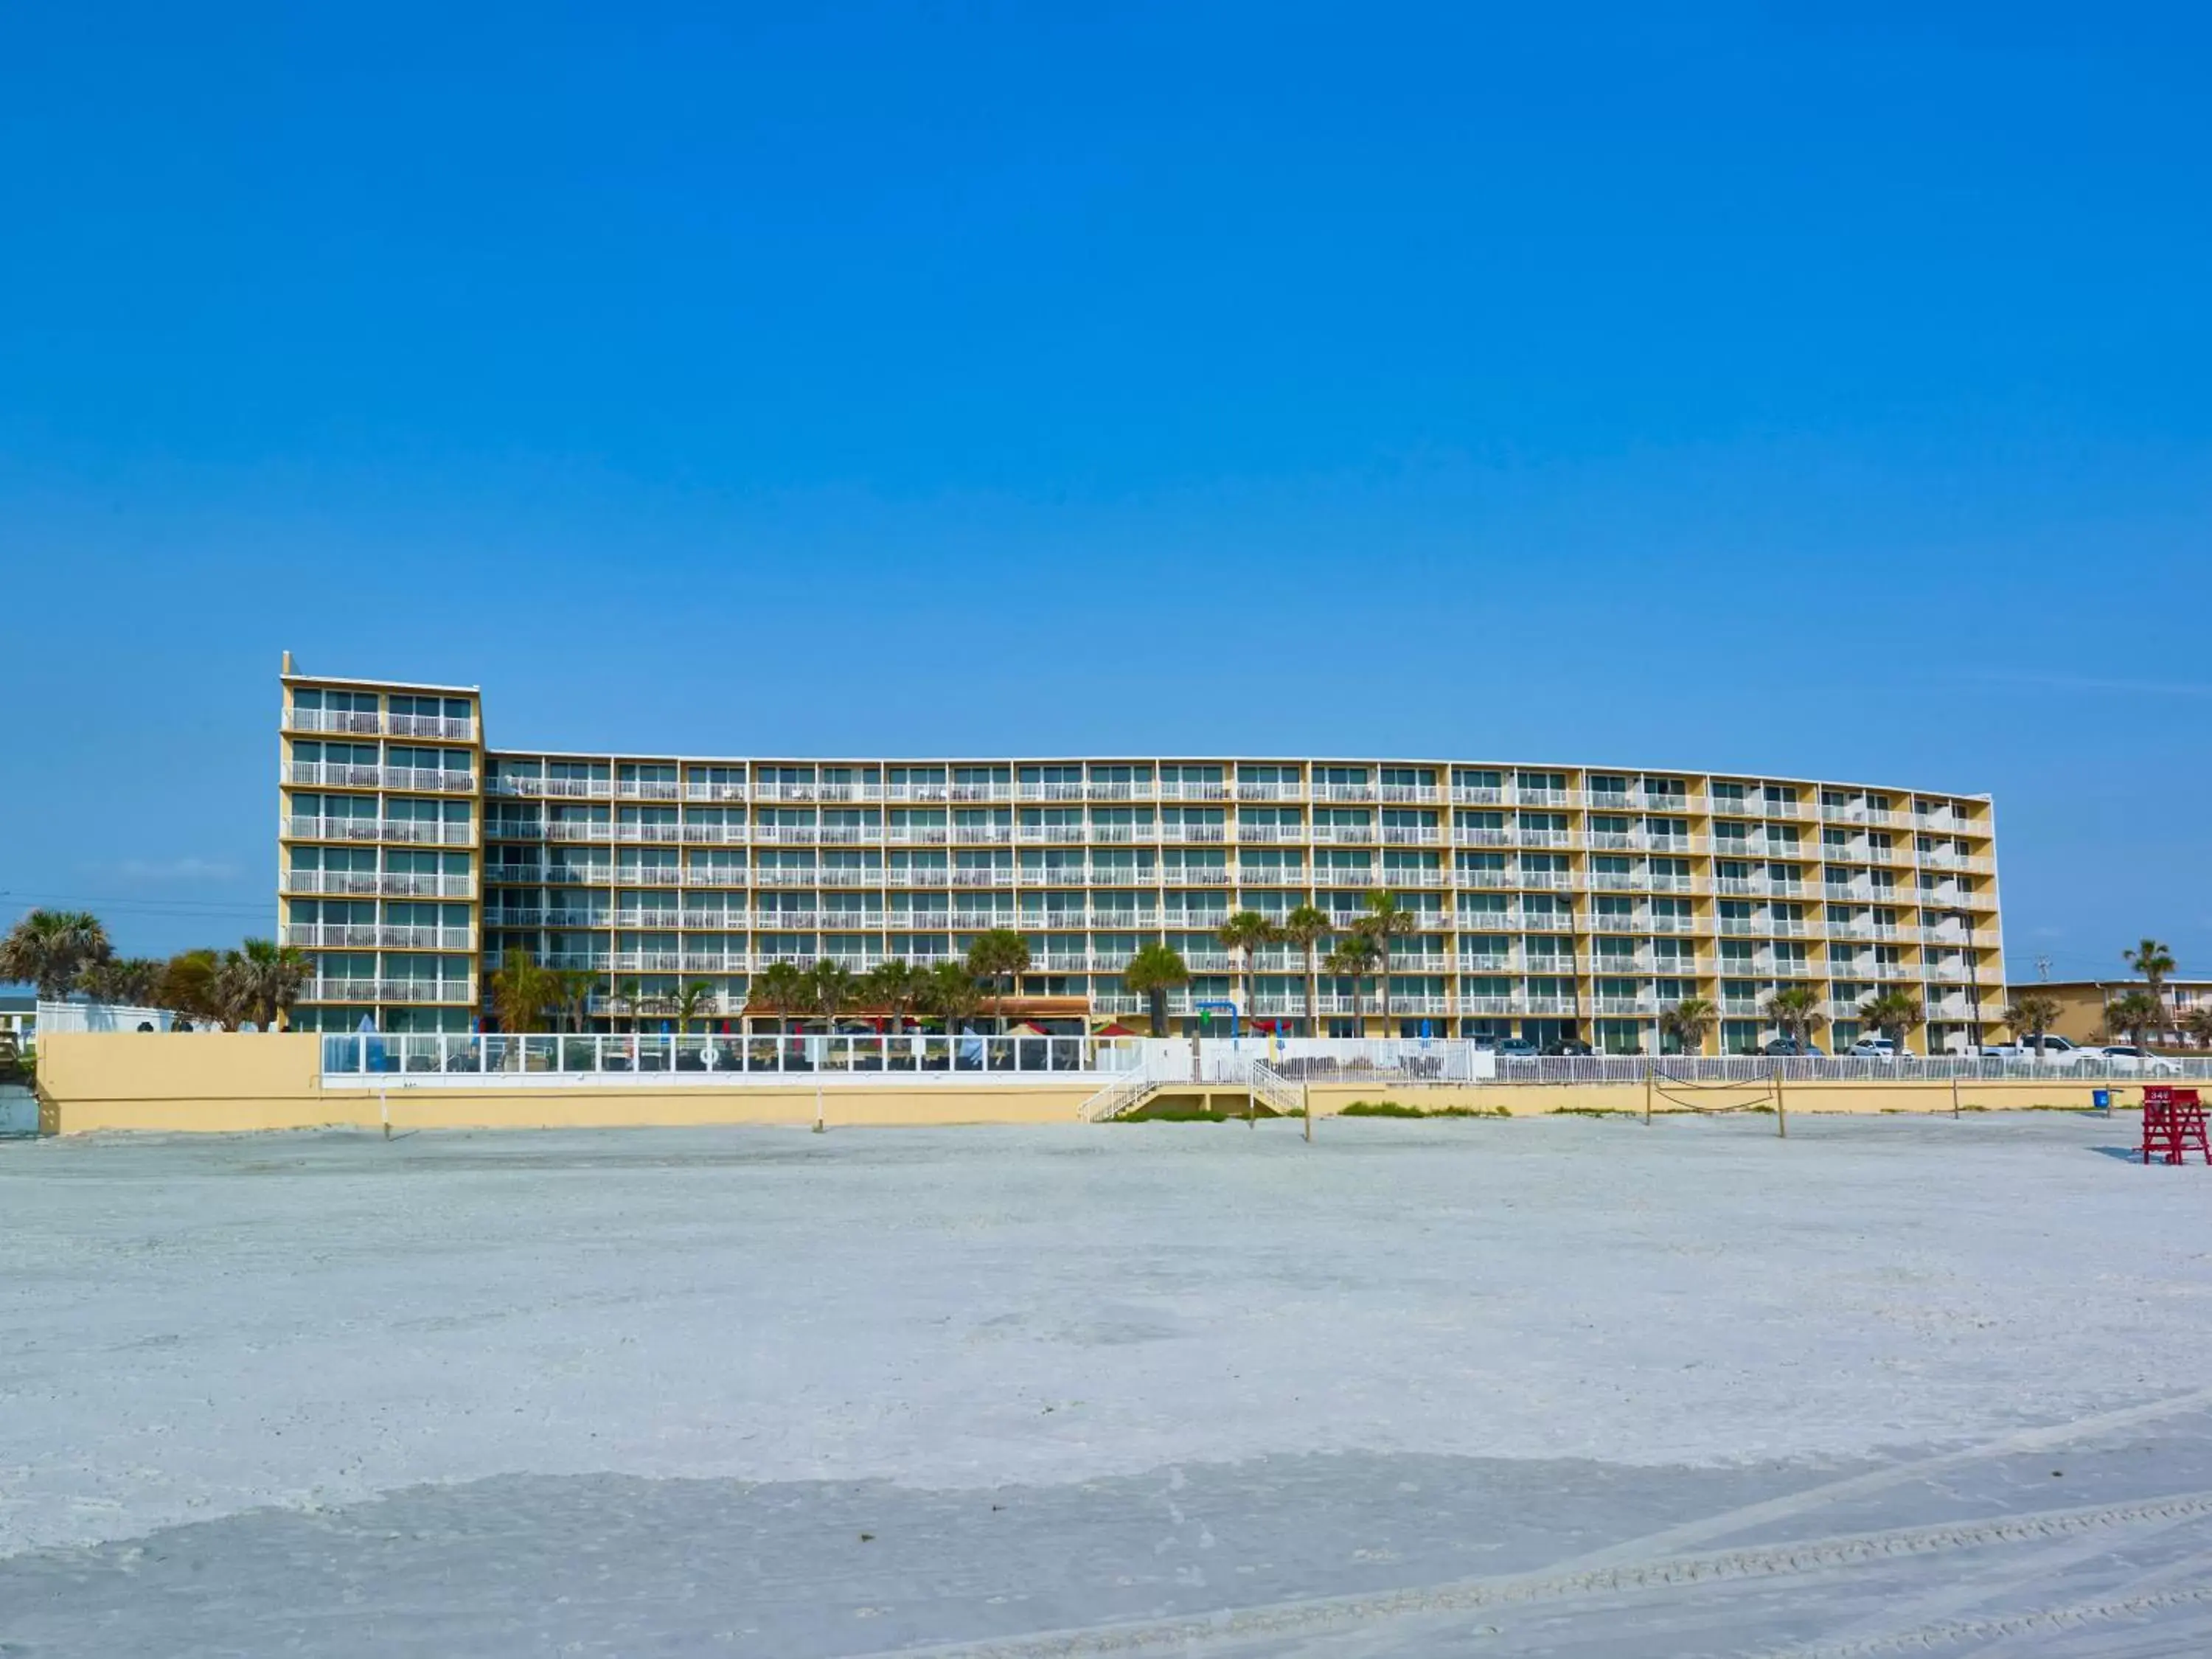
x=1894 y=1014
x=50 y=948
x=895 y=987
x=2154 y=962
x=131 y=981
x=687 y=1004
x=776 y=990
x=1795 y=1008
x=998 y=957
x=1688 y=1021
x=1156 y=970
x=271 y=977
x=1354 y=957
x=187 y=984
x=830 y=988
x=1306 y=927
x=1384 y=918
x=2197 y=1024
x=951 y=994
x=1247 y=931
x=2034 y=1014
x=522 y=991
x=2136 y=1012
x=573 y=987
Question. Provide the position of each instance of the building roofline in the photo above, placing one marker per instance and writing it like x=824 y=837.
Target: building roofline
x=381 y=685
x=1112 y=758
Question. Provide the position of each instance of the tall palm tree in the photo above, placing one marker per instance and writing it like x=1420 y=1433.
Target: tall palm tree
x=1383 y=920
x=829 y=989
x=1354 y=957
x=951 y=994
x=2154 y=962
x=1795 y=1008
x=895 y=987
x=49 y=948
x=1895 y=1014
x=130 y=981
x=1688 y=1022
x=1156 y=970
x=775 y=991
x=1246 y=932
x=573 y=987
x=2032 y=1013
x=522 y=991
x=2136 y=1013
x=998 y=957
x=1306 y=927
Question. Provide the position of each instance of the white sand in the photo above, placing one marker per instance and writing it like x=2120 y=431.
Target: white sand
x=196 y=1328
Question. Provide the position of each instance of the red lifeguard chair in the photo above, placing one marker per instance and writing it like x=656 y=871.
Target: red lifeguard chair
x=2172 y=1124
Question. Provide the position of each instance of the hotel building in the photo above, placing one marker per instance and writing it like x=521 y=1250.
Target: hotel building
x=1555 y=901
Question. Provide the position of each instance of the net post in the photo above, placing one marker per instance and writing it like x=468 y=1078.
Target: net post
x=1955 y=1093
x=1781 y=1112
x=1306 y=1100
x=1647 y=1094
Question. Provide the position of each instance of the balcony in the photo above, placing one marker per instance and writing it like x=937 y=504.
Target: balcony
x=652 y=833
x=411 y=831
x=1401 y=835
x=1477 y=795
x=367 y=722
x=420 y=780
x=696 y=790
x=783 y=835
x=365 y=884
x=334 y=936
x=549 y=788
x=1259 y=792
x=390 y=990
x=1557 y=839
x=1416 y=793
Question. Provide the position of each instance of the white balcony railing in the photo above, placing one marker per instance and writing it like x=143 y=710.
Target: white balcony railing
x=378 y=883
x=389 y=990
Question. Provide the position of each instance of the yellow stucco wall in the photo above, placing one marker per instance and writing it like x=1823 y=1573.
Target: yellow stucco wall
x=231 y=1083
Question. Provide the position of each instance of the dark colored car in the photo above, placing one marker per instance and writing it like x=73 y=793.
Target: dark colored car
x=1790 y=1049
x=1568 y=1048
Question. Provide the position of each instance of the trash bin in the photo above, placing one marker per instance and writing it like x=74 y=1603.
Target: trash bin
x=2101 y=1099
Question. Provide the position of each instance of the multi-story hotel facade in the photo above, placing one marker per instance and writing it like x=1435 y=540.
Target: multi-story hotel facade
x=1555 y=901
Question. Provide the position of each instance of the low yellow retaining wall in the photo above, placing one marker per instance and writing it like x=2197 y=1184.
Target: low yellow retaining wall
x=228 y=1083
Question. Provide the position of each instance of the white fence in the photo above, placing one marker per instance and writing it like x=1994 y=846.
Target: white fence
x=464 y=1060
x=100 y=1017
x=726 y=1060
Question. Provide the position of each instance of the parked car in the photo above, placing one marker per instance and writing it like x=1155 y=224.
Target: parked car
x=1791 y=1048
x=2126 y=1057
x=2057 y=1051
x=1568 y=1048
x=1874 y=1048
x=1516 y=1048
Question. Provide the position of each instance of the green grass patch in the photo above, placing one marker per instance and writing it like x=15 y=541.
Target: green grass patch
x=1398 y=1109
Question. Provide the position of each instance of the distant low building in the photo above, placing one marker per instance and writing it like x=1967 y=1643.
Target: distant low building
x=2081 y=1002
x=19 y=1014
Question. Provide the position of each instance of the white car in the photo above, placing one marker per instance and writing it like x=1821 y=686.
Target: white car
x=2126 y=1057
x=1873 y=1049
x=2057 y=1051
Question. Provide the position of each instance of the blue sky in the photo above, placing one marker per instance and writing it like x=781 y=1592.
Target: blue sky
x=1821 y=395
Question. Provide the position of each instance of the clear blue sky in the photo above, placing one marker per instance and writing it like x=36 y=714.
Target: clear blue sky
x=1817 y=391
